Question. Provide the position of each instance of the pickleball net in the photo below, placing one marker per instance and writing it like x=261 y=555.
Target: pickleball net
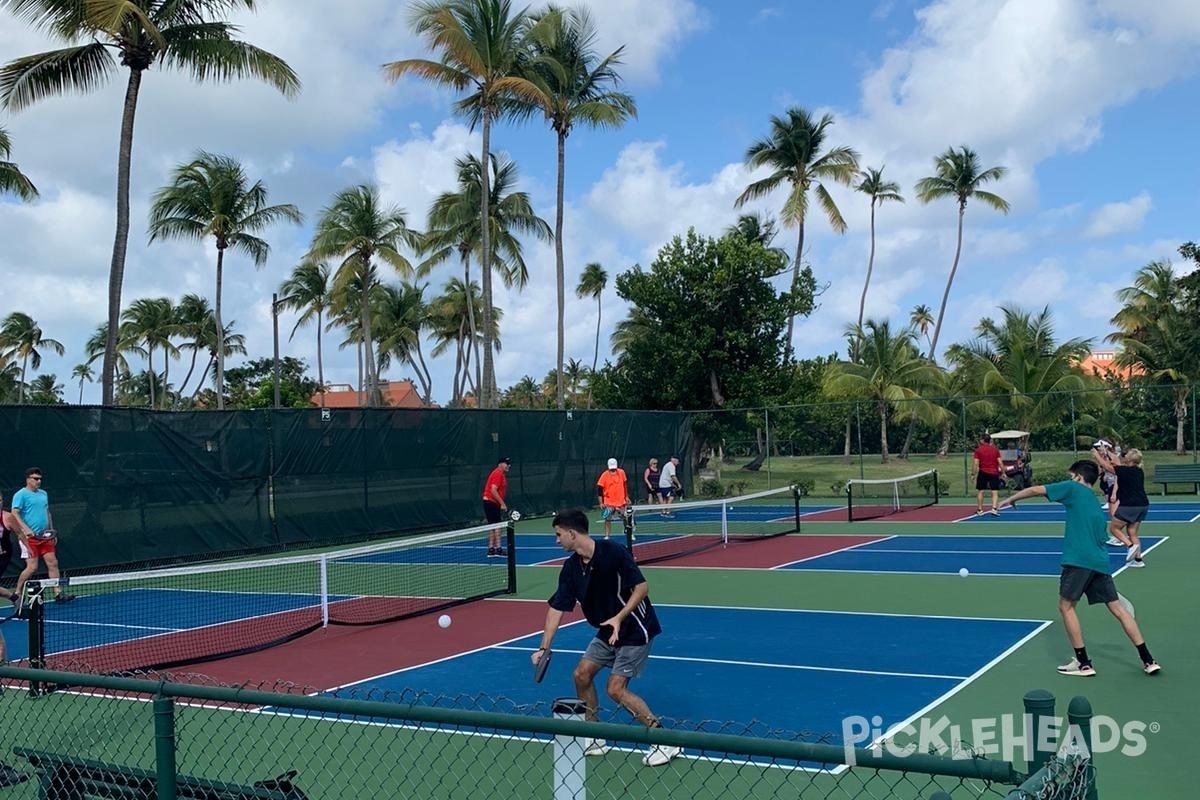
x=163 y=618
x=656 y=532
x=874 y=498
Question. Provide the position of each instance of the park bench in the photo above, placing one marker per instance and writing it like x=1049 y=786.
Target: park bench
x=63 y=777
x=1177 y=473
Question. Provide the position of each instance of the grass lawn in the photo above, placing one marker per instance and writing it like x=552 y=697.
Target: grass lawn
x=827 y=471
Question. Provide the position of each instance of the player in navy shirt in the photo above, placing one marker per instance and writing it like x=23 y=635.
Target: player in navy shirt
x=602 y=577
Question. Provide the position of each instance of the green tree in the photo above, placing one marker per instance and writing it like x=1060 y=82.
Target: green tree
x=525 y=393
x=195 y=324
x=355 y=229
x=957 y=174
x=921 y=318
x=45 y=390
x=592 y=283
x=483 y=49
x=1021 y=371
x=403 y=316
x=307 y=291
x=872 y=184
x=792 y=151
x=12 y=180
x=252 y=385
x=581 y=89
x=105 y=35
x=84 y=373
x=1157 y=336
x=711 y=327
x=94 y=348
x=21 y=338
x=211 y=196
x=889 y=373
x=153 y=322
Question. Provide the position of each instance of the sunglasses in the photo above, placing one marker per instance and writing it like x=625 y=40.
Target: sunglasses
x=36 y=477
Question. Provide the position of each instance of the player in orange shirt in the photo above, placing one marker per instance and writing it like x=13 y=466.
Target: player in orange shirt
x=612 y=490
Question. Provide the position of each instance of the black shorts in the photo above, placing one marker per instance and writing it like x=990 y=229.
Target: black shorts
x=492 y=511
x=1075 y=582
x=985 y=481
x=6 y=549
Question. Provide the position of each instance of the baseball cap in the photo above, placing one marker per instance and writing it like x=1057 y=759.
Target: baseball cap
x=612 y=463
x=505 y=460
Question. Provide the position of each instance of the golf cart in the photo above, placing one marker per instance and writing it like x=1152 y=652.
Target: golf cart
x=1014 y=452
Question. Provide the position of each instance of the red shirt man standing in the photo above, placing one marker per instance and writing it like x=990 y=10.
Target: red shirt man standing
x=989 y=466
x=494 y=506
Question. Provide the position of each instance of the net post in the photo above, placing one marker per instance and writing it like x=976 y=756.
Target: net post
x=1039 y=711
x=849 y=501
x=323 y=569
x=724 y=524
x=510 y=536
x=796 y=504
x=32 y=605
x=937 y=492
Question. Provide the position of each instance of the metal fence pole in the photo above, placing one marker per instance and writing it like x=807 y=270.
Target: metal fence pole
x=1195 y=455
x=767 y=426
x=1039 y=710
x=862 y=474
x=570 y=763
x=164 y=747
x=1079 y=715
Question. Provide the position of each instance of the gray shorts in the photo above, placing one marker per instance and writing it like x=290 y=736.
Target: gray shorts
x=1075 y=582
x=1131 y=514
x=627 y=661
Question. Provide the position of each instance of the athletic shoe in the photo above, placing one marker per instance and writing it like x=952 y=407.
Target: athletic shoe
x=1137 y=563
x=1133 y=552
x=10 y=776
x=1114 y=542
x=661 y=754
x=501 y=552
x=1073 y=667
x=595 y=747
x=1151 y=667
x=979 y=513
x=493 y=552
x=64 y=598
x=995 y=512
x=16 y=601
x=1104 y=507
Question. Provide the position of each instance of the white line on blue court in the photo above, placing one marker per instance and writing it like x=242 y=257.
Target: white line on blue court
x=735 y=663
x=844 y=613
x=833 y=552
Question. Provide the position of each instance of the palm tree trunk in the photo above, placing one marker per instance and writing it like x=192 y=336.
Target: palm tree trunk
x=862 y=301
x=320 y=360
x=150 y=363
x=485 y=216
x=116 y=270
x=937 y=328
x=81 y=391
x=595 y=353
x=220 y=379
x=187 y=378
x=423 y=375
x=883 y=447
x=212 y=359
x=795 y=282
x=474 y=331
x=21 y=393
x=1181 y=412
x=560 y=276
x=846 y=449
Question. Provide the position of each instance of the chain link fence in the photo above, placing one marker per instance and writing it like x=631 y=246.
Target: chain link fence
x=166 y=736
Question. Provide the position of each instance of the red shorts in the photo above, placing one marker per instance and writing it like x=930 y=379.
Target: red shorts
x=36 y=548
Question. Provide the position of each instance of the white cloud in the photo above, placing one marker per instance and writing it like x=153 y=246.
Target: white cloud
x=1113 y=218
x=650 y=32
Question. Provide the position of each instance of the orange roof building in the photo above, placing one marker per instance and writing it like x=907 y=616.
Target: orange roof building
x=396 y=394
x=1103 y=363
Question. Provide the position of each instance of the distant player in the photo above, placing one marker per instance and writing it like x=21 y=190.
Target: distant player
x=612 y=492
x=494 y=490
x=988 y=467
x=1085 y=565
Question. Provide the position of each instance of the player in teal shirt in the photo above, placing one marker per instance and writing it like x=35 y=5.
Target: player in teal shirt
x=1085 y=565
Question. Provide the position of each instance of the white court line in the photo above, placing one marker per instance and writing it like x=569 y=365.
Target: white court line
x=844 y=613
x=1149 y=549
x=734 y=663
x=1054 y=553
x=832 y=552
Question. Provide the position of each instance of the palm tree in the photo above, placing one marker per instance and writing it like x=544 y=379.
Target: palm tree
x=211 y=196
x=11 y=178
x=792 y=151
x=234 y=345
x=872 y=184
x=759 y=229
x=94 y=348
x=20 y=338
x=484 y=50
x=194 y=322
x=592 y=283
x=957 y=174
x=921 y=318
x=104 y=35
x=153 y=321
x=574 y=374
x=402 y=316
x=637 y=325
x=453 y=228
x=525 y=393
x=45 y=390
x=307 y=290
x=356 y=228
x=1153 y=330
x=582 y=90
x=448 y=316
x=83 y=372
x=889 y=373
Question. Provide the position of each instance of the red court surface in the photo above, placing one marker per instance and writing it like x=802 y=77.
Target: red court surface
x=768 y=553
x=340 y=655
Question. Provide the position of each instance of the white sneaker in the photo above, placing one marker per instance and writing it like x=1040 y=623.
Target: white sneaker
x=1133 y=552
x=995 y=512
x=1137 y=563
x=1073 y=667
x=1104 y=506
x=1114 y=542
x=661 y=754
x=595 y=747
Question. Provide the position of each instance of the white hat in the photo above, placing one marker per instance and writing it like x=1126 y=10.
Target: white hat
x=612 y=463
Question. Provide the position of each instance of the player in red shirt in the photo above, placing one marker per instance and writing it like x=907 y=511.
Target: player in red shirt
x=989 y=466
x=494 y=506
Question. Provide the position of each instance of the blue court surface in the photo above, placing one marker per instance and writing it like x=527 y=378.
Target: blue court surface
x=980 y=555
x=1041 y=511
x=792 y=670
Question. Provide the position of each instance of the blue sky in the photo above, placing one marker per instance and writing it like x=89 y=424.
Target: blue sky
x=1079 y=99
